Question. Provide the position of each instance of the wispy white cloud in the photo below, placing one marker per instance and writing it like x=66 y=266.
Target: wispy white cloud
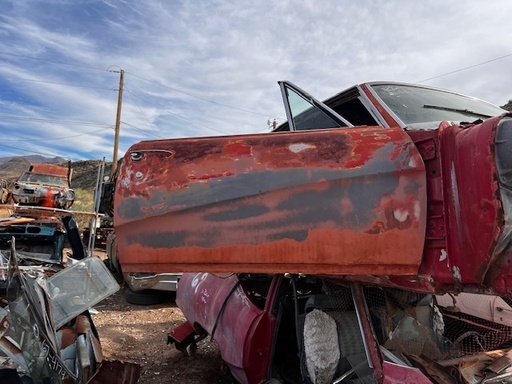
x=187 y=61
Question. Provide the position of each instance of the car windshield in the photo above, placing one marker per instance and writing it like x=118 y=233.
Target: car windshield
x=37 y=178
x=414 y=104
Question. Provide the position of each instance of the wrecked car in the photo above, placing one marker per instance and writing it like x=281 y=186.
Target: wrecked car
x=323 y=250
x=45 y=185
x=142 y=288
x=311 y=329
x=47 y=286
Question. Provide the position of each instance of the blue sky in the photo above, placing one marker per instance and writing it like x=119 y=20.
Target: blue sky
x=203 y=67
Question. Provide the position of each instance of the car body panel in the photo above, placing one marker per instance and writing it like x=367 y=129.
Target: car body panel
x=331 y=201
x=398 y=374
x=219 y=305
x=229 y=203
x=364 y=226
x=158 y=281
x=139 y=281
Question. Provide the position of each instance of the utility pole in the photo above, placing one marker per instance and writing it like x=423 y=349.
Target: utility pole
x=118 y=121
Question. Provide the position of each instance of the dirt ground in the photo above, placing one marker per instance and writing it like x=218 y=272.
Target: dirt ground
x=138 y=334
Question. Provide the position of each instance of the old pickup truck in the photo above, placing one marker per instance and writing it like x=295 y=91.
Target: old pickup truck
x=367 y=239
x=45 y=185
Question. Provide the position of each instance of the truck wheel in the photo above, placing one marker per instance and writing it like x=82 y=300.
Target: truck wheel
x=145 y=297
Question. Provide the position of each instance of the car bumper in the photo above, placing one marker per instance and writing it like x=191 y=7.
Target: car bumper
x=160 y=281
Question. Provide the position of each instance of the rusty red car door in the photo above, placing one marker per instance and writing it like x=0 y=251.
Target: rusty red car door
x=347 y=201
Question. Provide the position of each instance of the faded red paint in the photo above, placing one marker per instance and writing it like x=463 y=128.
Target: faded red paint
x=331 y=201
x=49 y=169
x=419 y=209
x=382 y=110
x=245 y=351
x=48 y=200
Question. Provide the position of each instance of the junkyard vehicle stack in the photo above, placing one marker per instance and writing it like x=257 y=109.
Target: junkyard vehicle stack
x=343 y=246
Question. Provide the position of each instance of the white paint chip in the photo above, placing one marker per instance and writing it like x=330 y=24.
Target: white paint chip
x=299 y=147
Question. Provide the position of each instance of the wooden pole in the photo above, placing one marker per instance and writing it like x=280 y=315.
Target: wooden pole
x=118 y=121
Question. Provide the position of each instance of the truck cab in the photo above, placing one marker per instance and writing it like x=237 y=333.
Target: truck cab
x=45 y=185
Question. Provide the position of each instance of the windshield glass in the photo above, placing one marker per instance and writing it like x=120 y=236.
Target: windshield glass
x=420 y=105
x=304 y=112
x=307 y=116
x=37 y=178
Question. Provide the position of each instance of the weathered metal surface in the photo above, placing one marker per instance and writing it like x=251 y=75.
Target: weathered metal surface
x=474 y=215
x=44 y=185
x=49 y=169
x=348 y=201
x=370 y=339
x=44 y=350
x=4 y=324
x=469 y=216
x=219 y=305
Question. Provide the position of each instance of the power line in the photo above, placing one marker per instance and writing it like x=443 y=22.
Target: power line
x=187 y=119
x=55 y=82
x=56 y=138
x=52 y=61
x=141 y=130
x=140 y=109
x=197 y=97
x=55 y=121
x=139 y=77
x=26 y=150
x=465 y=68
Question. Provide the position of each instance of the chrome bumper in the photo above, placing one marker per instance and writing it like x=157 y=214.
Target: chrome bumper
x=160 y=281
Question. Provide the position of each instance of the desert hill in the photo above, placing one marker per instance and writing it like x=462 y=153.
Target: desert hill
x=35 y=159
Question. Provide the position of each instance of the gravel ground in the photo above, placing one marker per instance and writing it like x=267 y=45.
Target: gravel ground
x=138 y=334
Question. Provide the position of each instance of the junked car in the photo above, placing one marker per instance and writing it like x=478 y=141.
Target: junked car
x=323 y=251
x=143 y=288
x=313 y=329
x=45 y=185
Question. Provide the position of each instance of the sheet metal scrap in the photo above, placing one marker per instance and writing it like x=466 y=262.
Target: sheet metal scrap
x=68 y=355
x=4 y=323
x=486 y=367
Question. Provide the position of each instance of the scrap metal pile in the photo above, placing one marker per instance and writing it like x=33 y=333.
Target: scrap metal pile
x=46 y=331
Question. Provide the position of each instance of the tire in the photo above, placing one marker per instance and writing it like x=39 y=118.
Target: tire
x=145 y=297
x=111 y=249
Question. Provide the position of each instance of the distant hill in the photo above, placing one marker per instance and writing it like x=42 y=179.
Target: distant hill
x=35 y=159
x=508 y=106
x=85 y=173
x=11 y=169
